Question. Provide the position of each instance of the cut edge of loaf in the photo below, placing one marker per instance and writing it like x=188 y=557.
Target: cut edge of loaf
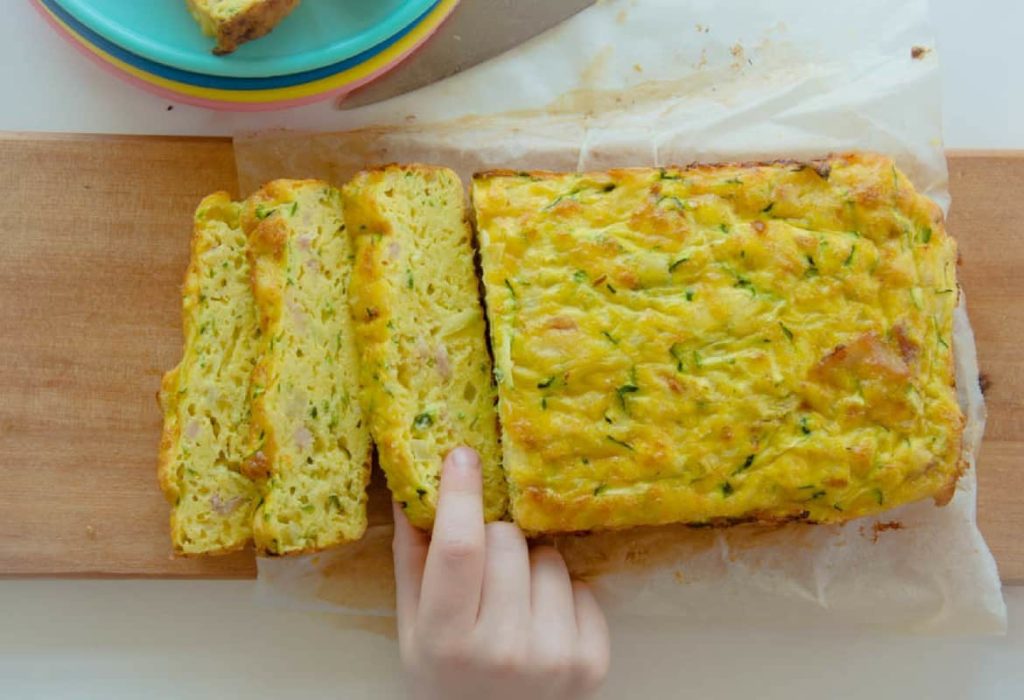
x=217 y=208
x=312 y=467
x=421 y=328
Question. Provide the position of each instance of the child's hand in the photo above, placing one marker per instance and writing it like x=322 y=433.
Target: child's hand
x=480 y=615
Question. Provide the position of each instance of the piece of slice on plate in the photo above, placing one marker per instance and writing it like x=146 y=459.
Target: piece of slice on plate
x=720 y=343
x=234 y=22
x=204 y=398
x=415 y=301
x=310 y=447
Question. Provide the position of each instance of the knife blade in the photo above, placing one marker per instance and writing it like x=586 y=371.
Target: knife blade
x=476 y=31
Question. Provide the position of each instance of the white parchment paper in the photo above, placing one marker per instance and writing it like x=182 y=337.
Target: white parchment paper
x=656 y=82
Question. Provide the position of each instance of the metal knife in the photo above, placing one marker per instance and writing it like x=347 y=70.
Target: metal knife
x=476 y=31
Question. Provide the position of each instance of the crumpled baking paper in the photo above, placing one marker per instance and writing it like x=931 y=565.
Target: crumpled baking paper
x=656 y=82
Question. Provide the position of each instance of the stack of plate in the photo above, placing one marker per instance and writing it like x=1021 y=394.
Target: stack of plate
x=324 y=48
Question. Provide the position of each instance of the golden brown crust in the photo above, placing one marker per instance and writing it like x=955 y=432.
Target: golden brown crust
x=823 y=166
x=627 y=304
x=269 y=238
x=168 y=436
x=259 y=20
x=167 y=395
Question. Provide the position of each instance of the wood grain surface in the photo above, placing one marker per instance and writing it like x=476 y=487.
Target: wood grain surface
x=986 y=189
x=96 y=242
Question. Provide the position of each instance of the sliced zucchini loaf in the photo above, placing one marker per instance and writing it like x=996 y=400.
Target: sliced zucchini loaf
x=234 y=22
x=310 y=447
x=204 y=398
x=420 y=328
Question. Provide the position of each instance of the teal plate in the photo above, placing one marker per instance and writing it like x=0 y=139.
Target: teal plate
x=317 y=34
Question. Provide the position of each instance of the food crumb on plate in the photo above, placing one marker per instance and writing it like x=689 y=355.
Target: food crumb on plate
x=878 y=528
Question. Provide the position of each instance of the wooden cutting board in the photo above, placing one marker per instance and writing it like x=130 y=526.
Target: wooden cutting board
x=96 y=241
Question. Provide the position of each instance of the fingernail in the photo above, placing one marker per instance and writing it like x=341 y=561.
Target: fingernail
x=463 y=459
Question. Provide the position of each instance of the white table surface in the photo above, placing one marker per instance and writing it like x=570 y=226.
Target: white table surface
x=199 y=639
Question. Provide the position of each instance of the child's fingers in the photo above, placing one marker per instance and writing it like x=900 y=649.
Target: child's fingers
x=409 y=548
x=593 y=646
x=505 y=599
x=551 y=602
x=452 y=578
